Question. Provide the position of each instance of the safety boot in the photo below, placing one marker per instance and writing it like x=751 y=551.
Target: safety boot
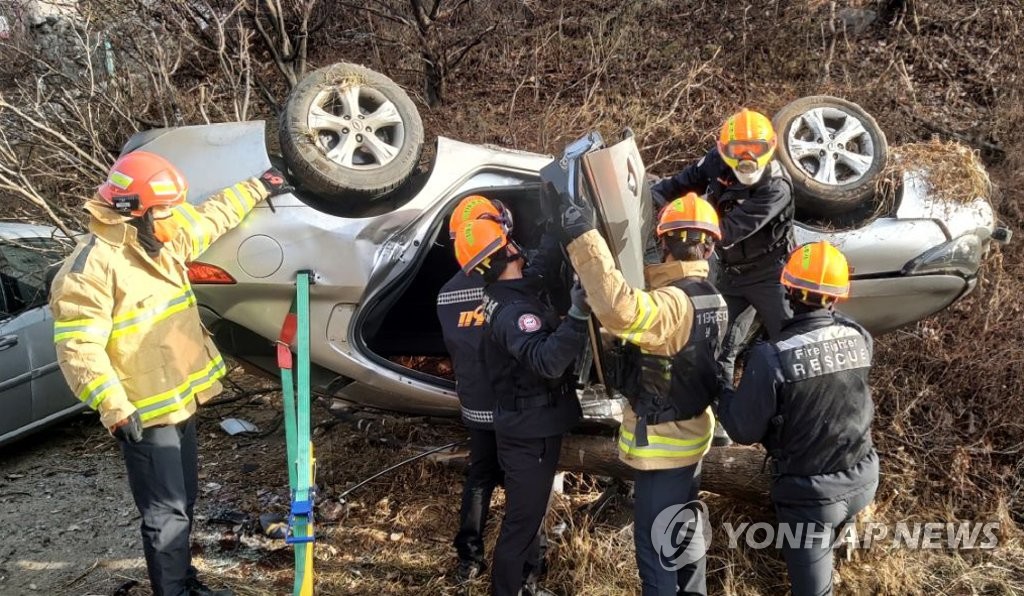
x=198 y=588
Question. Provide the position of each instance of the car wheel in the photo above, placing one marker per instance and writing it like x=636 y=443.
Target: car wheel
x=834 y=152
x=350 y=134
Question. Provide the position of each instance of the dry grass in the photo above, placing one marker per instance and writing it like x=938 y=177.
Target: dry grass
x=950 y=170
x=393 y=536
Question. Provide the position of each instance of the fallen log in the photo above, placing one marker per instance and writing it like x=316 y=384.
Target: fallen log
x=733 y=471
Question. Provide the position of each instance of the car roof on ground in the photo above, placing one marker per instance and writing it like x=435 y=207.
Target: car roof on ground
x=12 y=230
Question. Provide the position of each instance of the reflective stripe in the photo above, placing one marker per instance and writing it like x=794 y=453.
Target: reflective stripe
x=119 y=180
x=819 y=288
x=457 y=296
x=178 y=397
x=164 y=187
x=95 y=392
x=708 y=301
x=480 y=416
x=663 y=446
x=84 y=329
x=236 y=202
x=192 y=222
x=247 y=196
x=647 y=310
x=124 y=324
x=816 y=335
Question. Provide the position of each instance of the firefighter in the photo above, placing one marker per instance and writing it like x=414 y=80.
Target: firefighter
x=753 y=196
x=668 y=372
x=805 y=396
x=527 y=354
x=130 y=343
x=460 y=311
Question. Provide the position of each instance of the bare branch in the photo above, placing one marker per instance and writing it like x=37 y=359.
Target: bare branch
x=379 y=13
x=461 y=53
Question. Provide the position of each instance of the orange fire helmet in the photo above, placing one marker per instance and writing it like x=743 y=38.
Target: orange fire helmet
x=476 y=241
x=479 y=207
x=140 y=181
x=690 y=216
x=471 y=207
x=817 y=272
x=747 y=136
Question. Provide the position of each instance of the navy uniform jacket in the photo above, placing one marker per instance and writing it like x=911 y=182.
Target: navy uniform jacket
x=460 y=310
x=756 y=220
x=806 y=398
x=528 y=355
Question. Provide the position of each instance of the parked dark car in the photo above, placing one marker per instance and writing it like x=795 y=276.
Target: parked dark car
x=33 y=393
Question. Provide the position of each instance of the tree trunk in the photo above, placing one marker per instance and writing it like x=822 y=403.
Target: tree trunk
x=733 y=471
x=433 y=78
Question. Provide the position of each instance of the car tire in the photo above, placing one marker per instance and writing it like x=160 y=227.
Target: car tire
x=327 y=146
x=834 y=152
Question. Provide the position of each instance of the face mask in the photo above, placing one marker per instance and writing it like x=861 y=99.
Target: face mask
x=165 y=229
x=751 y=178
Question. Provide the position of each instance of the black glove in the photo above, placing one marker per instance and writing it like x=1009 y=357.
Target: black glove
x=275 y=183
x=578 y=295
x=576 y=219
x=129 y=430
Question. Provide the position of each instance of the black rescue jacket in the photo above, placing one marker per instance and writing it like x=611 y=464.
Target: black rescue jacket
x=460 y=310
x=756 y=220
x=682 y=386
x=806 y=398
x=528 y=355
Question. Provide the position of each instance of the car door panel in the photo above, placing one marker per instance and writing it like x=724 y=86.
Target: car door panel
x=40 y=391
x=15 y=378
x=616 y=183
x=50 y=392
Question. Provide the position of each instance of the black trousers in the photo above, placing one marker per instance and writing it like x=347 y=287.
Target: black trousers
x=809 y=559
x=529 y=466
x=163 y=476
x=483 y=474
x=655 y=491
x=750 y=291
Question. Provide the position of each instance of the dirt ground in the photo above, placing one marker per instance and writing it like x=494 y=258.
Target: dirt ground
x=69 y=523
x=70 y=527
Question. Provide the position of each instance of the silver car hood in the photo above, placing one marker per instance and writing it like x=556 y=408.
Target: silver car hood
x=922 y=222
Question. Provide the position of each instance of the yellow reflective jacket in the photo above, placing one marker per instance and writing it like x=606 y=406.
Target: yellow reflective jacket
x=658 y=321
x=126 y=326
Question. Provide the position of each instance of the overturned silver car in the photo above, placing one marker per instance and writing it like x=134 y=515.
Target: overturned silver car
x=381 y=257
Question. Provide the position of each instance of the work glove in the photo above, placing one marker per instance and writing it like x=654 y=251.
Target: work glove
x=576 y=220
x=129 y=429
x=579 y=309
x=275 y=183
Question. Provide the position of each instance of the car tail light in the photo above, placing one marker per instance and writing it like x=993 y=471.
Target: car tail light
x=204 y=273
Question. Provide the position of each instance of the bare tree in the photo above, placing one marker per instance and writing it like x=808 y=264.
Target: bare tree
x=120 y=66
x=284 y=28
x=442 y=35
